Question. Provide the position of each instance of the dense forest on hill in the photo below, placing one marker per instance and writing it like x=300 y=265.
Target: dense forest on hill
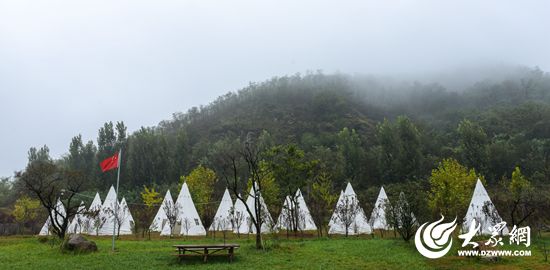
x=362 y=129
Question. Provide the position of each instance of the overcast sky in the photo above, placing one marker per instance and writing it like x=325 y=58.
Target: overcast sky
x=66 y=67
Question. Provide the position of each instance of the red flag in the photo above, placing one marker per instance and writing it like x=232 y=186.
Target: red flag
x=109 y=163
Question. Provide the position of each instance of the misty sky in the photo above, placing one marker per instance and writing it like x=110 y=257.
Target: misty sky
x=66 y=67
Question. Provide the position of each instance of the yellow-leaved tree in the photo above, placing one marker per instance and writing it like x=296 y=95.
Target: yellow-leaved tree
x=451 y=187
x=151 y=198
x=26 y=210
x=201 y=182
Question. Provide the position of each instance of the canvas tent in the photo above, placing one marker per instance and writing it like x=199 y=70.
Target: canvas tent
x=359 y=225
x=89 y=224
x=222 y=219
x=378 y=216
x=267 y=220
x=305 y=221
x=189 y=221
x=487 y=218
x=160 y=218
x=107 y=212
x=77 y=225
x=59 y=216
x=241 y=218
x=126 y=219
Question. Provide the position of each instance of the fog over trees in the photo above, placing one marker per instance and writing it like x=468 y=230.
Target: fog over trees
x=362 y=129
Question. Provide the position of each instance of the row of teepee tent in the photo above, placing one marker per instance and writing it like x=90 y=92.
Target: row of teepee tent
x=235 y=217
x=99 y=219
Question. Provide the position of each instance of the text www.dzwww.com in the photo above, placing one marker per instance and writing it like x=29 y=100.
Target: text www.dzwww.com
x=497 y=253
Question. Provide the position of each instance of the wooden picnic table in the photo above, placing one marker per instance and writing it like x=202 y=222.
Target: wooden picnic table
x=204 y=250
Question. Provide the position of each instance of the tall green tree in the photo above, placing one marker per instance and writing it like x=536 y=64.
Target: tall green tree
x=472 y=145
x=399 y=150
x=410 y=157
x=322 y=200
x=292 y=171
x=42 y=154
x=349 y=145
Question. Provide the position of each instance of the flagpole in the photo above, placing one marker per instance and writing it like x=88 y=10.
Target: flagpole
x=116 y=197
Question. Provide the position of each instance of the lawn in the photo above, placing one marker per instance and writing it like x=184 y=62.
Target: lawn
x=312 y=253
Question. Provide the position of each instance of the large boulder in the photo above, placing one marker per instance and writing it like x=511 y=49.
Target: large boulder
x=78 y=243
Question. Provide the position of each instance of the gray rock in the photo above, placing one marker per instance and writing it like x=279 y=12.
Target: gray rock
x=78 y=243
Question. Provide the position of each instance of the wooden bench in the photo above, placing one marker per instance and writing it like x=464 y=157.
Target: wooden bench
x=205 y=250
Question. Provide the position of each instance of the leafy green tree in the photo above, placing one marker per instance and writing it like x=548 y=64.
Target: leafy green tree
x=451 y=187
x=201 y=182
x=75 y=158
x=400 y=216
x=322 y=200
x=291 y=170
x=42 y=154
x=146 y=158
x=521 y=192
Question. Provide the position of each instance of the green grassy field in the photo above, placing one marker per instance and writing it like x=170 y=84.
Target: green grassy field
x=335 y=253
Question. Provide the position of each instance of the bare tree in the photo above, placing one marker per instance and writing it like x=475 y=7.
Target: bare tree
x=222 y=226
x=51 y=184
x=242 y=161
x=237 y=218
x=186 y=225
x=121 y=216
x=292 y=216
x=96 y=219
x=172 y=214
x=301 y=222
x=373 y=218
x=346 y=212
x=80 y=222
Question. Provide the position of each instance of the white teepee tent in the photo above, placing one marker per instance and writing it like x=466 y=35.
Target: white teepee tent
x=222 y=219
x=188 y=217
x=77 y=225
x=241 y=219
x=359 y=225
x=378 y=216
x=305 y=221
x=107 y=212
x=161 y=218
x=127 y=221
x=89 y=226
x=61 y=210
x=267 y=219
x=475 y=211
